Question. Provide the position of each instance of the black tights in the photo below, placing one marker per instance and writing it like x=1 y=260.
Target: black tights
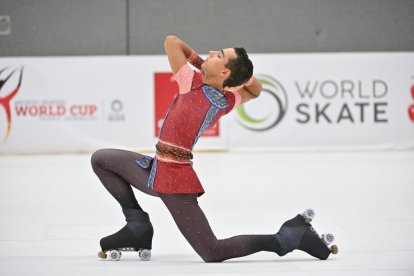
x=117 y=171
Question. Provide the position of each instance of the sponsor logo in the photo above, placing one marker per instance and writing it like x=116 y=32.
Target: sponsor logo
x=8 y=91
x=11 y=80
x=341 y=101
x=268 y=110
x=116 y=107
x=318 y=102
x=55 y=110
x=411 y=107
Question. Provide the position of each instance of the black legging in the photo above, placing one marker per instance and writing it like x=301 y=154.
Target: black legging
x=117 y=171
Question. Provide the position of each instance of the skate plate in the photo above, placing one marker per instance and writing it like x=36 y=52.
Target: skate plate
x=115 y=254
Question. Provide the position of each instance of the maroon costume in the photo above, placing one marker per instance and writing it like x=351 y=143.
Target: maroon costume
x=170 y=175
x=193 y=109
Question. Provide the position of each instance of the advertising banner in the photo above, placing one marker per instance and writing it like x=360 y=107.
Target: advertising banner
x=308 y=102
x=80 y=104
x=329 y=101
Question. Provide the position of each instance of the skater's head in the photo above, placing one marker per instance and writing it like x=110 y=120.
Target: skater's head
x=230 y=67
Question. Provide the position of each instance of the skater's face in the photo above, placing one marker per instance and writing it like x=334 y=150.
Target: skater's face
x=215 y=64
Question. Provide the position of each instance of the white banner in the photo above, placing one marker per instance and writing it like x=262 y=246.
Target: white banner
x=80 y=104
x=329 y=101
x=309 y=101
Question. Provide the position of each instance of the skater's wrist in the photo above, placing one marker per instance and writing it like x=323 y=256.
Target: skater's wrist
x=195 y=60
x=250 y=82
x=253 y=86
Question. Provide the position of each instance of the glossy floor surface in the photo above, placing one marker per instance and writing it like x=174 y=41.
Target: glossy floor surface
x=54 y=210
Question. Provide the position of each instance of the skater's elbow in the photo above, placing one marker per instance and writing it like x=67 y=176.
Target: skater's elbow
x=170 y=39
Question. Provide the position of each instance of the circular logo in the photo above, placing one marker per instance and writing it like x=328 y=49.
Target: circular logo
x=266 y=111
x=116 y=105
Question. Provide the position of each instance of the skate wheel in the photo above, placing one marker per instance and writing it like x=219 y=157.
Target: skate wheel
x=114 y=255
x=144 y=254
x=328 y=238
x=334 y=249
x=308 y=215
x=102 y=255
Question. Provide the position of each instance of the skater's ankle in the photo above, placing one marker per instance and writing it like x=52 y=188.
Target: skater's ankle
x=276 y=246
x=285 y=245
x=135 y=215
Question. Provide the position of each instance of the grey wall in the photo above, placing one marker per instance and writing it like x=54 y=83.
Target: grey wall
x=122 y=27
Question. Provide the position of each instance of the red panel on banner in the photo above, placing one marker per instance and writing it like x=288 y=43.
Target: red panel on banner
x=165 y=90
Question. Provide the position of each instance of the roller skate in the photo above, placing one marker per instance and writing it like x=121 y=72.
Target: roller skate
x=135 y=236
x=298 y=233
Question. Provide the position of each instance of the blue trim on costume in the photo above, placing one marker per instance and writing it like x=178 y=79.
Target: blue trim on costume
x=168 y=112
x=211 y=113
x=215 y=97
x=218 y=101
x=144 y=161
x=153 y=173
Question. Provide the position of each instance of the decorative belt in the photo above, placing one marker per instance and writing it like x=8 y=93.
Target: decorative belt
x=171 y=152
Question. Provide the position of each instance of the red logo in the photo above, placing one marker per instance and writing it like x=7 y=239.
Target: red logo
x=411 y=107
x=5 y=101
x=165 y=90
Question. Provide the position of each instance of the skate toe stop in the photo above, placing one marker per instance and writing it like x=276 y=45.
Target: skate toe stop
x=334 y=249
x=102 y=255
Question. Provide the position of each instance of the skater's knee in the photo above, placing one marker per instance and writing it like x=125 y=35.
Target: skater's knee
x=98 y=158
x=211 y=254
x=209 y=258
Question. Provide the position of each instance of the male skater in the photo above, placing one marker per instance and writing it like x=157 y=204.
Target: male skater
x=226 y=80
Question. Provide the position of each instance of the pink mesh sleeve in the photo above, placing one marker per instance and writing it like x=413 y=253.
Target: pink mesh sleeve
x=184 y=78
x=237 y=99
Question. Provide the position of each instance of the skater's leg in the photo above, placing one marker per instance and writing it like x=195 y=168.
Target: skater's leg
x=117 y=171
x=194 y=225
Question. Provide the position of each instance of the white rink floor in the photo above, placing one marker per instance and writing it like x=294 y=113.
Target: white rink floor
x=53 y=211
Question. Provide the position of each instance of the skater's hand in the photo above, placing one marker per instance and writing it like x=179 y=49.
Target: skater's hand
x=248 y=92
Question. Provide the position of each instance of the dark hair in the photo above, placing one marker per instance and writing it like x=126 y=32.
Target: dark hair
x=241 y=69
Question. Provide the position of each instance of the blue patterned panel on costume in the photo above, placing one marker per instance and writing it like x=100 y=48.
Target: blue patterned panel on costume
x=211 y=113
x=215 y=97
x=144 y=161
x=153 y=173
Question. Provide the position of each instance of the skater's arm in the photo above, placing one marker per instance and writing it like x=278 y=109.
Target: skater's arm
x=249 y=90
x=179 y=53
